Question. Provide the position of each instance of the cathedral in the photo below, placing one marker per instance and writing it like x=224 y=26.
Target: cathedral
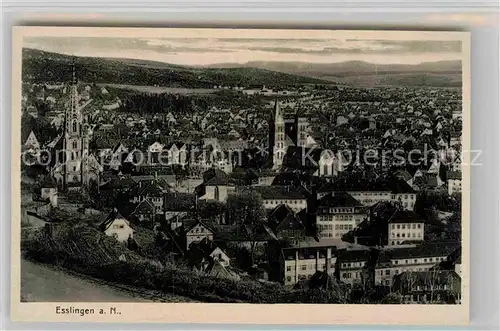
x=75 y=167
x=285 y=132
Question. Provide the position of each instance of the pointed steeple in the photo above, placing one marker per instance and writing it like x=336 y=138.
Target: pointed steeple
x=73 y=69
x=278 y=116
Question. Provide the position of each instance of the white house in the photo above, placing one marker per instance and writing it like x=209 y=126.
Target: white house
x=32 y=142
x=454 y=182
x=338 y=214
x=330 y=164
x=197 y=231
x=396 y=260
x=177 y=153
x=156 y=147
x=403 y=192
x=118 y=227
x=405 y=226
x=214 y=186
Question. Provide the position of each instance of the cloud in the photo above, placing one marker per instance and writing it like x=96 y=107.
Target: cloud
x=194 y=51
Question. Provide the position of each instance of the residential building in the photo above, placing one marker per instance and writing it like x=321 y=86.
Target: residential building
x=351 y=266
x=32 y=142
x=273 y=196
x=214 y=186
x=145 y=213
x=393 y=261
x=428 y=287
x=286 y=223
x=403 y=192
x=405 y=226
x=195 y=231
x=454 y=181
x=205 y=250
x=337 y=214
x=299 y=263
x=118 y=227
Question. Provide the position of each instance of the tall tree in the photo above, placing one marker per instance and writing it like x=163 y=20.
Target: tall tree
x=247 y=211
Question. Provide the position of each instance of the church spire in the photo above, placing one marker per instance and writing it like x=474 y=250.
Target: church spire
x=73 y=69
x=278 y=116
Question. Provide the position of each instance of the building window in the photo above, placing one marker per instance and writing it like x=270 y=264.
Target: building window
x=75 y=145
x=304 y=267
x=418 y=226
x=414 y=226
x=289 y=279
x=216 y=193
x=399 y=226
x=388 y=272
x=74 y=126
x=288 y=268
x=392 y=226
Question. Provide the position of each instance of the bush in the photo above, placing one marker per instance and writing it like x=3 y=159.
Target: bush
x=90 y=252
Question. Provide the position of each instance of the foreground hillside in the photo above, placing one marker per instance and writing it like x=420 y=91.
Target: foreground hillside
x=40 y=66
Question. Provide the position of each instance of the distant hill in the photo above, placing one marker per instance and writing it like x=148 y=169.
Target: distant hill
x=41 y=66
x=442 y=73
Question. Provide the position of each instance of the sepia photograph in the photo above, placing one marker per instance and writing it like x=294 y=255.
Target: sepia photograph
x=239 y=166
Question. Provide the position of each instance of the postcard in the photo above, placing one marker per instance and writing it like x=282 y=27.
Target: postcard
x=240 y=176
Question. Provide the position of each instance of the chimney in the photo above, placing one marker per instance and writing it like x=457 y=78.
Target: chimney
x=355 y=240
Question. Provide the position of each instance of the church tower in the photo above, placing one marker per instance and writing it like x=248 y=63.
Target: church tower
x=75 y=144
x=277 y=147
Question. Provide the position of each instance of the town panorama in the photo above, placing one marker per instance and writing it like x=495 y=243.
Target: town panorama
x=255 y=183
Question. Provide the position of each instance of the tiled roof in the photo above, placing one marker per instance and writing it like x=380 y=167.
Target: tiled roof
x=454 y=175
x=426 y=249
x=279 y=192
x=342 y=199
x=405 y=216
x=397 y=186
x=214 y=177
x=354 y=255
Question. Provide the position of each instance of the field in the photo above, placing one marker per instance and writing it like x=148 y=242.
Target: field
x=160 y=89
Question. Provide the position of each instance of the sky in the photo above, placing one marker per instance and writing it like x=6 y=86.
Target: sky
x=206 y=51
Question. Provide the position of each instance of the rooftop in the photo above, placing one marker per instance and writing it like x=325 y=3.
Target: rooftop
x=405 y=216
x=279 y=192
x=341 y=199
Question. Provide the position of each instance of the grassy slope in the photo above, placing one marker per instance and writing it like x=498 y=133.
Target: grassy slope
x=44 y=66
